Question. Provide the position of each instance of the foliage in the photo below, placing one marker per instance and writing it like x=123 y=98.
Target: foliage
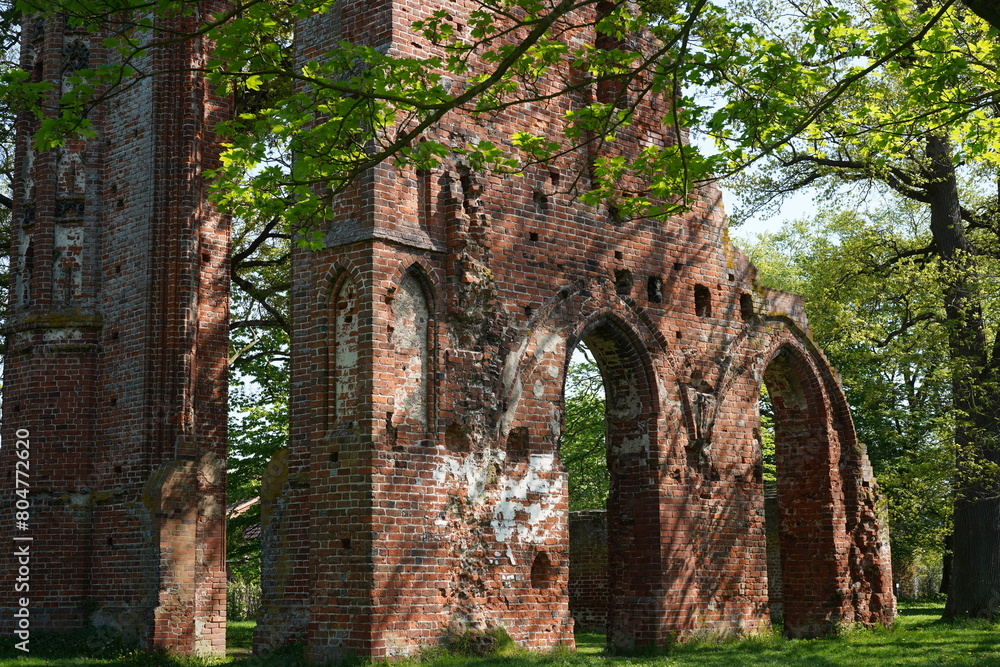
x=582 y=448
x=10 y=34
x=375 y=106
x=258 y=427
x=258 y=400
x=767 y=438
x=471 y=643
x=243 y=594
x=941 y=84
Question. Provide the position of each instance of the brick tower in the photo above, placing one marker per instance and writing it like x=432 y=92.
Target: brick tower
x=116 y=364
x=423 y=493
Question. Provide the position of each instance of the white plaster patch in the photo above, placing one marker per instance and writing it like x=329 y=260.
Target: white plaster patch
x=510 y=366
x=473 y=469
x=513 y=501
x=637 y=445
x=555 y=424
x=514 y=398
x=62 y=335
x=547 y=341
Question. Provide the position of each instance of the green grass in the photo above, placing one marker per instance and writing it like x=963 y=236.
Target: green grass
x=919 y=639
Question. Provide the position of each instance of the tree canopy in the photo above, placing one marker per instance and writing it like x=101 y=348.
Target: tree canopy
x=375 y=106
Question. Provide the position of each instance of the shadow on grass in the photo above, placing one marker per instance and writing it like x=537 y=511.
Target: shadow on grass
x=94 y=647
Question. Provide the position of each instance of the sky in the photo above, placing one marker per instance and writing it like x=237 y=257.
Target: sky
x=795 y=207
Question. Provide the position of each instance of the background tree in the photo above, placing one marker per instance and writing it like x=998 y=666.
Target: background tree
x=583 y=447
x=10 y=37
x=258 y=390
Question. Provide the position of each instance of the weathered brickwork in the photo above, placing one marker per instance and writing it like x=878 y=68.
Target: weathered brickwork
x=588 y=590
x=423 y=492
x=117 y=357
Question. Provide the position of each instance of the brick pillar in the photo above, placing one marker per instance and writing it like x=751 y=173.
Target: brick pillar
x=117 y=357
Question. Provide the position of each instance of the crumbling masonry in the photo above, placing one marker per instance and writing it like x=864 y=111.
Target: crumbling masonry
x=422 y=492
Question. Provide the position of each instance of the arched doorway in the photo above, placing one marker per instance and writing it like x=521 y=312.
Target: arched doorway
x=630 y=526
x=809 y=512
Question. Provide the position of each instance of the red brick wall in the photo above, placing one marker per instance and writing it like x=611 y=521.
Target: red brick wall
x=117 y=359
x=589 y=592
x=423 y=491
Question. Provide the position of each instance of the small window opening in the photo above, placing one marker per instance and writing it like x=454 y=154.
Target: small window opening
x=541 y=202
x=518 y=441
x=654 y=289
x=623 y=282
x=615 y=216
x=702 y=301
x=456 y=437
x=746 y=306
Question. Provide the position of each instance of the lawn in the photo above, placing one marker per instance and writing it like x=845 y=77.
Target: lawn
x=919 y=638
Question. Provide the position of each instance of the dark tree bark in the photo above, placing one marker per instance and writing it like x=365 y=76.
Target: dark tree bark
x=946 y=566
x=974 y=589
x=988 y=10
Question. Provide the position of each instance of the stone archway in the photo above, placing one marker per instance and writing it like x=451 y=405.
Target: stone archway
x=834 y=553
x=809 y=498
x=633 y=554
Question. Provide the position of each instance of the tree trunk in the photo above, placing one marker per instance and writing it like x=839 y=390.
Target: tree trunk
x=974 y=589
x=946 y=566
x=986 y=9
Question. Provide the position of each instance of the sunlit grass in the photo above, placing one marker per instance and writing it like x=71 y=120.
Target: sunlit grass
x=919 y=638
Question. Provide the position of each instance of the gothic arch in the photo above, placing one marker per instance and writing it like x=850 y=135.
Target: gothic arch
x=832 y=562
x=632 y=441
x=344 y=340
x=411 y=340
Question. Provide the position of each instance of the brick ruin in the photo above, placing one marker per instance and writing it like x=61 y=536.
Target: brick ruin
x=117 y=353
x=422 y=492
